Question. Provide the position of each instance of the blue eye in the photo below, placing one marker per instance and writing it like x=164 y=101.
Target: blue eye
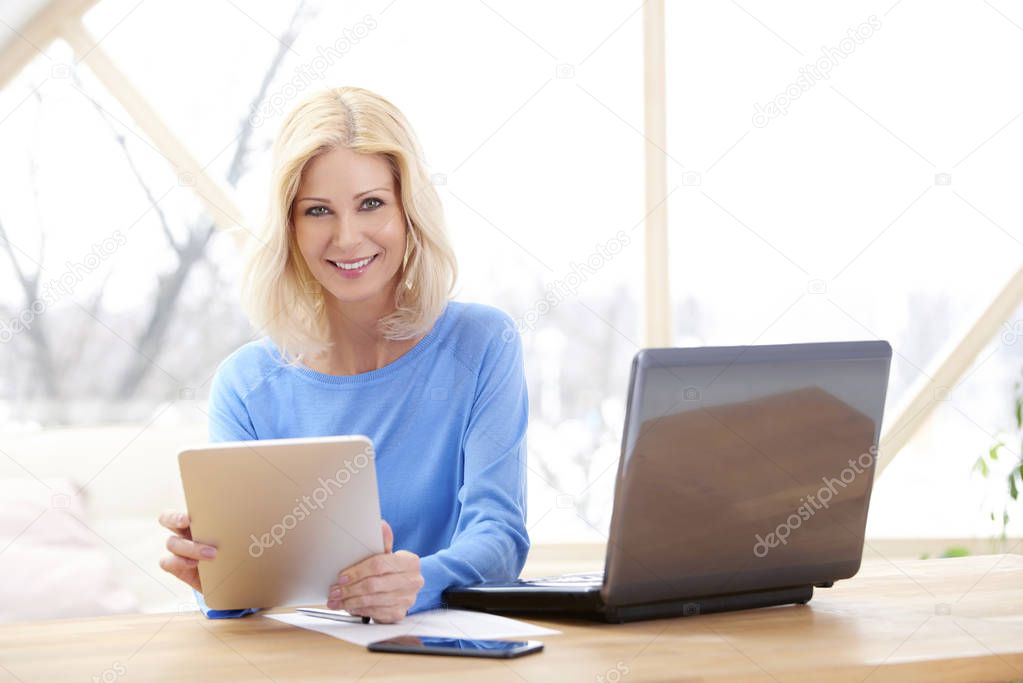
x=323 y=210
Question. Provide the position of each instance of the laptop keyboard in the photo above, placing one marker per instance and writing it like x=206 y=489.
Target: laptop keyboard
x=577 y=579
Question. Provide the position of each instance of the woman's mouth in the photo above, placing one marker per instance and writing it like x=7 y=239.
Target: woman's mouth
x=353 y=268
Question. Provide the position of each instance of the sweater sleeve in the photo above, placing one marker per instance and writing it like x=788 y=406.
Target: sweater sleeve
x=228 y=421
x=491 y=541
x=228 y=417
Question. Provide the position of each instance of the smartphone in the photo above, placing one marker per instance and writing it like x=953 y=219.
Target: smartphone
x=457 y=647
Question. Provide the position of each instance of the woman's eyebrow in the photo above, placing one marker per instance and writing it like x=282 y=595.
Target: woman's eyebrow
x=375 y=189
x=327 y=201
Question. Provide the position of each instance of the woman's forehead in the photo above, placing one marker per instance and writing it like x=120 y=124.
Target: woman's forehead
x=346 y=172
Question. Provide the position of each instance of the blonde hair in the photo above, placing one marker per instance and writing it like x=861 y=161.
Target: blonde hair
x=279 y=294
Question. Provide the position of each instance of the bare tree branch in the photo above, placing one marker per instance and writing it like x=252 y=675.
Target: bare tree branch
x=34 y=329
x=29 y=283
x=84 y=338
x=119 y=138
x=170 y=285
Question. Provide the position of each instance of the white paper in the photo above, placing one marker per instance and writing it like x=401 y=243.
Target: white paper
x=445 y=623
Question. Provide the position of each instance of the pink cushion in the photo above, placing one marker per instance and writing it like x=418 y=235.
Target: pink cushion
x=53 y=565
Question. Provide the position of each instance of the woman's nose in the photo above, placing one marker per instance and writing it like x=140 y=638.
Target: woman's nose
x=346 y=233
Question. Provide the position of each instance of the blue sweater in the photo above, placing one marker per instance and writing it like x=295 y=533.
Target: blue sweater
x=448 y=423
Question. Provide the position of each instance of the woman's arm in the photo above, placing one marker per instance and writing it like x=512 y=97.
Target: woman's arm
x=491 y=540
x=228 y=416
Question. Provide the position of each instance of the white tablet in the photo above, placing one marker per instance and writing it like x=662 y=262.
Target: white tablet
x=286 y=516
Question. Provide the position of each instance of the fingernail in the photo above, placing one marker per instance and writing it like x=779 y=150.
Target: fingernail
x=181 y=519
x=335 y=593
x=208 y=552
x=333 y=604
x=344 y=579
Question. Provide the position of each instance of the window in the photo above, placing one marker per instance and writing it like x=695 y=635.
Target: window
x=871 y=202
x=534 y=143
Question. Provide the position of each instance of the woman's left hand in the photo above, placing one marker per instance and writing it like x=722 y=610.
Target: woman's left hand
x=382 y=587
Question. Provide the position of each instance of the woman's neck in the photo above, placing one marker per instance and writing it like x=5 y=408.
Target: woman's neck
x=358 y=346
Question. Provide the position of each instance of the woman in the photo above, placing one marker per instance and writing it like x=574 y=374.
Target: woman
x=350 y=282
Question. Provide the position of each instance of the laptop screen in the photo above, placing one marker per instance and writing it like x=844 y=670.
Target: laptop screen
x=745 y=468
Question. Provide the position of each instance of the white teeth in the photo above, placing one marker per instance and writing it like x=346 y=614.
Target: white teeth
x=353 y=266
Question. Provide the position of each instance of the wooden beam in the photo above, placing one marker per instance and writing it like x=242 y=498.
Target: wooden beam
x=930 y=392
x=657 y=292
x=36 y=35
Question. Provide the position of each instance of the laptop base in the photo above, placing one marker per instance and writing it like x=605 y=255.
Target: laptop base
x=588 y=604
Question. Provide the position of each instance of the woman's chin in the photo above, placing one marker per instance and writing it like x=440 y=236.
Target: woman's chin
x=361 y=291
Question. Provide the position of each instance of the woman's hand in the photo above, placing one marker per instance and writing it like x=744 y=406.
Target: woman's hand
x=382 y=587
x=186 y=554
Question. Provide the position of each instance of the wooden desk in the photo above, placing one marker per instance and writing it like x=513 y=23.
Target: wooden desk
x=936 y=620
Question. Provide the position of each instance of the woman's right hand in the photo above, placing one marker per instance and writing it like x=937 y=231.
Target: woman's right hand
x=185 y=553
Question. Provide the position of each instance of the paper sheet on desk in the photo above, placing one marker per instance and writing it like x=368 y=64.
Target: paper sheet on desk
x=447 y=623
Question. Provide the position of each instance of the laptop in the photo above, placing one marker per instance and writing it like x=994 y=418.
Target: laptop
x=744 y=481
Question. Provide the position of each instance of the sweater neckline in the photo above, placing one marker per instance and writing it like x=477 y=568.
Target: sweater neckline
x=439 y=327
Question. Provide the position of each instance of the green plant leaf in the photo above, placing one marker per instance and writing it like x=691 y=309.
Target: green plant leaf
x=981 y=466
x=984 y=464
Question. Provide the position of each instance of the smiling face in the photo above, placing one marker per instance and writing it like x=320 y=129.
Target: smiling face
x=350 y=227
